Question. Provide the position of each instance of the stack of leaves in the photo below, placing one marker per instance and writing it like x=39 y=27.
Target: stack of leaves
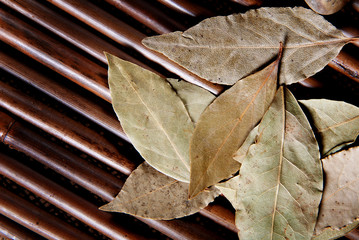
x=254 y=143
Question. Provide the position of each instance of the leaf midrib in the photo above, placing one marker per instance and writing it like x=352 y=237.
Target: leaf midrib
x=157 y=122
x=280 y=164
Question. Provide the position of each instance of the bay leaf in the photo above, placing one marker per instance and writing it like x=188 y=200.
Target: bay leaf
x=152 y=116
x=225 y=49
x=329 y=233
x=242 y=151
x=326 y=7
x=340 y=205
x=195 y=98
x=337 y=123
x=224 y=126
x=148 y=193
x=229 y=189
x=281 y=178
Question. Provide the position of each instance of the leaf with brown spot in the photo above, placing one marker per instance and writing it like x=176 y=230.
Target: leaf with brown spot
x=153 y=117
x=224 y=126
x=281 y=178
x=340 y=205
x=148 y=193
x=326 y=7
x=329 y=233
x=336 y=122
x=225 y=49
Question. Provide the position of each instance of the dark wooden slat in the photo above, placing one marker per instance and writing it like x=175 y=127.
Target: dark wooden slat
x=35 y=218
x=74 y=168
x=347 y=65
x=54 y=55
x=148 y=15
x=187 y=7
x=127 y=36
x=249 y=3
x=63 y=128
x=75 y=34
x=90 y=108
x=88 y=213
x=353 y=235
x=65 y=200
x=15 y=231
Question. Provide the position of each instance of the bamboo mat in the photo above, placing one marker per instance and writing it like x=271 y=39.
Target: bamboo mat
x=63 y=152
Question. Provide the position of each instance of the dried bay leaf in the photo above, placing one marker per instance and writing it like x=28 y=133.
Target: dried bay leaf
x=229 y=189
x=224 y=126
x=153 y=117
x=195 y=98
x=330 y=233
x=326 y=7
x=226 y=48
x=337 y=123
x=340 y=205
x=242 y=151
x=150 y=194
x=281 y=177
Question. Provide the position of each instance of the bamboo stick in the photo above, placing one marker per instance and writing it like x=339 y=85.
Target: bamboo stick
x=34 y=218
x=75 y=34
x=12 y=230
x=64 y=128
x=97 y=111
x=148 y=15
x=187 y=7
x=54 y=55
x=127 y=36
x=63 y=162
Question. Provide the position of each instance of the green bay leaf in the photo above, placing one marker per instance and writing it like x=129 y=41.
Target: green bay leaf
x=148 y=193
x=225 y=49
x=195 y=98
x=224 y=126
x=340 y=205
x=281 y=177
x=153 y=117
x=337 y=123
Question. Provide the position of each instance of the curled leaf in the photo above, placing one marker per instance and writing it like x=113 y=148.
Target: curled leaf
x=225 y=49
x=337 y=123
x=230 y=189
x=153 y=117
x=281 y=177
x=242 y=151
x=340 y=205
x=195 y=98
x=150 y=194
x=329 y=233
x=224 y=126
x=326 y=7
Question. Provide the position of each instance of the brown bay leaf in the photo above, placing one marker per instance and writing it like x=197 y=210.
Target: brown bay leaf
x=148 y=193
x=281 y=177
x=340 y=205
x=225 y=49
x=195 y=98
x=337 y=123
x=326 y=7
x=224 y=126
x=153 y=117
